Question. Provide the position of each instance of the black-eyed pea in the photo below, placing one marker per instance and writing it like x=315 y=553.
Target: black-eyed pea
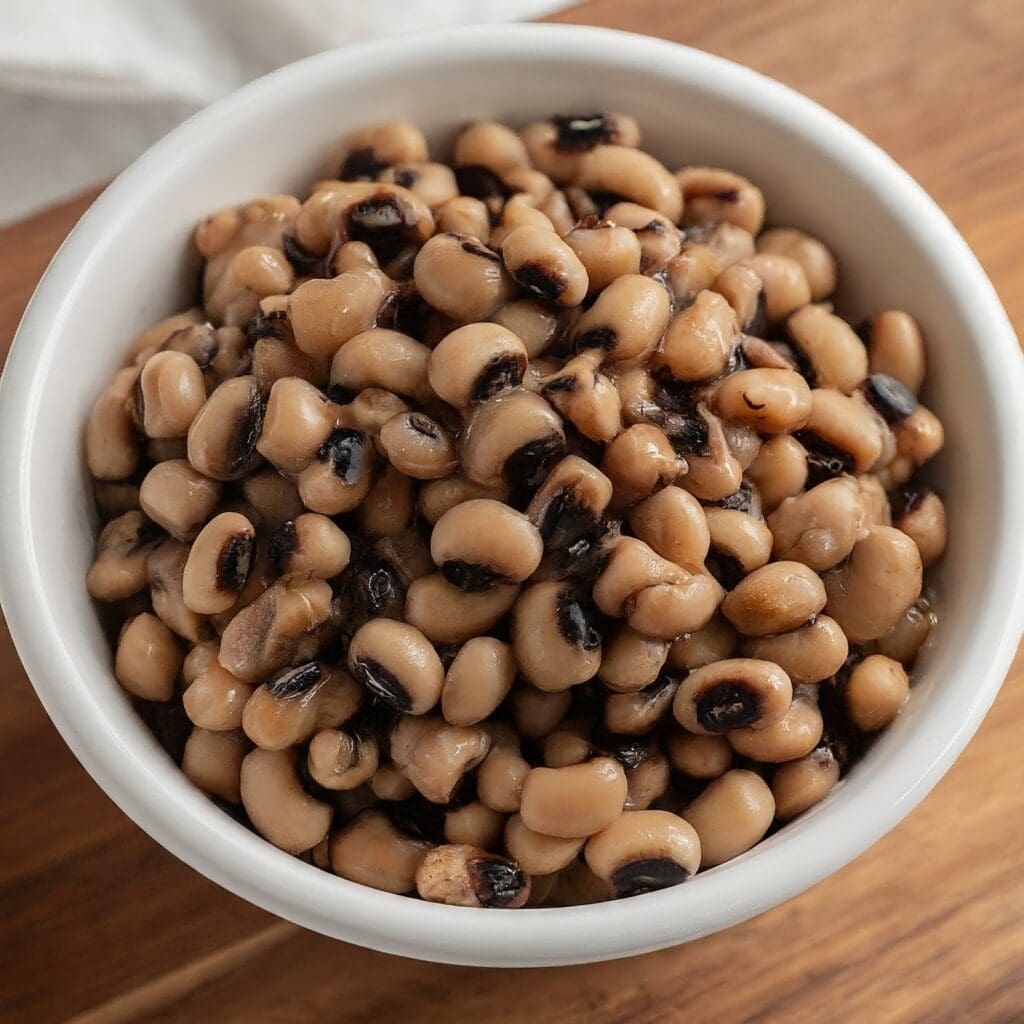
x=372 y=408
x=534 y=324
x=201 y=656
x=606 y=250
x=500 y=778
x=921 y=515
x=919 y=437
x=632 y=566
x=699 y=756
x=536 y=853
x=715 y=474
x=644 y=851
x=544 y=265
x=443 y=757
x=730 y=243
x=632 y=174
x=148 y=658
x=820 y=526
x=693 y=270
x=556 y=208
x=535 y=712
x=740 y=543
x=627 y=320
x=744 y=442
x=785 y=284
x=114 y=498
x=165 y=573
x=232 y=357
x=212 y=761
x=539 y=370
x=122 y=550
x=712 y=195
x=214 y=700
x=640 y=461
x=776 y=598
x=809 y=654
x=476 y=362
x=263 y=636
x=732 y=694
x=468 y=876
x=518 y=211
x=570 y=503
x=813 y=255
x=864 y=609
x=700 y=339
x=875 y=501
x=843 y=433
x=219 y=563
x=299 y=420
x=830 y=347
x=570 y=743
x=461 y=277
x=311 y=543
x=340 y=474
x=896 y=348
x=658 y=236
x=905 y=639
x=648 y=781
x=223 y=435
x=351 y=256
x=576 y=801
x=770 y=401
x=380 y=358
x=448 y=615
x=152 y=338
x=169 y=392
x=390 y=505
x=231 y=295
x=112 y=446
x=439 y=496
x=339 y=760
x=178 y=498
x=779 y=471
x=794 y=736
x=474 y=824
x=631 y=661
x=669 y=610
x=477 y=681
x=673 y=523
x=491 y=145
x=418 y=446
x=464 y=215
x=743 y=289
x=875 y=692
x=372 y=850
x=799 y=785
x=715 y=641
x=273 y=359
x=556 y=145
x=362 y=155
x=390 y=783
x=585 y=396
x=397 y=664
x=432 y=183
x=273 y=498
x=637 y=712
x=731 y=815
x=325 y=314
x=554 y=638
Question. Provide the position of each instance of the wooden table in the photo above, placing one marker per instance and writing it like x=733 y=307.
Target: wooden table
x=99 y=921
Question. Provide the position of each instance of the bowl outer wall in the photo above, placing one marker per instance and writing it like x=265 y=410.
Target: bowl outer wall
x=678 y=93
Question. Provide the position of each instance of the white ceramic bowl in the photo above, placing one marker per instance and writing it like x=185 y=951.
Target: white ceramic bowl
x=125 y=265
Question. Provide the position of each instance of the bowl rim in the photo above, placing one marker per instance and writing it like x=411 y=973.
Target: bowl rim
x=193 y=829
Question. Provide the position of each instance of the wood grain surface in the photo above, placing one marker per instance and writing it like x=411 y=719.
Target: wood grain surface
x=99 y=924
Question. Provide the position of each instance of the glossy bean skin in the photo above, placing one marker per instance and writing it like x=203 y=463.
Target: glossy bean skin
x=876 y=690
x=776 y=598
x=731 y=815
x=818 y=263
x=799 y=785
x=713 y=194
x=809 y=654
x=627 y=320
x=700 y=339
x=576 y=801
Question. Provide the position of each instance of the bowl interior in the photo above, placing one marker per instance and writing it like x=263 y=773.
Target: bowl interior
x=130 y=264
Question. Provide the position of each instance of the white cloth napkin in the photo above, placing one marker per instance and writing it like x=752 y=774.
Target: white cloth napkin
x=86 y=86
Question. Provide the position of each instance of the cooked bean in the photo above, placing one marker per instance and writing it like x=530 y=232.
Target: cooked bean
x=842 y=434
x=809 y=654
x=432 y=183
x=795 y=735
x=310 y=543
x=443 y=756
x=213 y=762
x=785 y=284
x=632 y=174
x=668 y=610
x=729 y=242
x=397 y=664
x=352 y=256
x=631 y=661
x=439 y=496
x=478 y=680
x=536 y=853
x=743 y=289
x=570 y=743
x=154 y=337
x=774 y=599
x=371 y=850
x=674 y=524
x=863 y=609
x=298 y=422
x=491 y=145
x=165 y=573
x=713 y=642
x=700 y=339
x=711 y=194
x=214 y=700
x=235 y=282
x=219 y=563
x=877 y=689
x=342 y=761
x=518 y=211
x=474 y=824
x=390 y=505
x=640 y=461
x=921 y=515
x=544 y=265
x=920 y=436
x=607 y=251
x=537 y=712
x=114 y=498
x=659 y=238
x=731 y=815
x=273 y=498
x=372 y=408
x=122 y=549
x=325 y=314
x=905 y=639
x=799 y=785
x=533 y=323
x=178 y=498
x=169 y=393
x=380 y=358
x=895 y=347
x=557 y=144
x=389 y=782
x=732 y=694
x=464 y=215
x=585 y=396
x=700 y=757
x=418 y=446
x=779 y=471
x=770 y=401
x=576 y=801
x=627 y=320
x=468 y=876
x=500 y=778
x=638 y=712
x=340 y=475
x=814 y=256
x=148 y=658
x=461 y=277
x=830 y=346
x=693 y=270
x=716 y=475
x=476 y=362
x=366 y=152
x=819 y=527
x=448 y=615
x=222 y=438
x=632 y=566
x=740 y=543
x=643 y=851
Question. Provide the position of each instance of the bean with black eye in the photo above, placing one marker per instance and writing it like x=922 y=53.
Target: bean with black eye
x=627 y=320
x=637 y=713
x=477 y=681
x=633 y=175
x=799 y=785
x=231 y=295
x=921 y=515
x=700 y=339
x=904 y=640
x=215 y=698
x=464 y=215
x=223 y=436
x=711 y=195
x=122 y=549
x=219 y=563
x=517 y=212
x=842 y=433
x=468 y=876
x=776 y=598
x=380 y=358
x=556 y=145
x=544 y=265
x=389 y=506
x=699 y=756
x=448 y=615
x=820 y=526
x=169 y=392
x=864 y=610
x=740 y=543
x=340 y=760
x=631 y=661
x=715 y=641
x=896 y=348
x=919 y=437
x=443 y=756
x=833 y=353
x=793 y=736
x=585 y=396
x=779 y=470
x=809 y=654
x=648 y=782
x=368 y=151
x=660 y=240
x=152 y=338
x=438 y=496
x=461 y=277
x=575 y=801
x=813 y=255
x=731 y=815
x=607 y=251
x=632 y=566
x=554 y=637
x=372 y=850
x=732 y=694
x=639 y=461
x=298 y=421
x=476 y=362
x=272 y=359
x=397 y=664
x=340 y=475
x=148 y=658
x=111 y=443
x=875 y=692
x=310 y=543
x=644 y=851
x=165 y=573
x=418 y=446
x=212 y=761
x=372 y=408
x=535 y=712
x=785 y=284
x=178 y=498
x=432 y=183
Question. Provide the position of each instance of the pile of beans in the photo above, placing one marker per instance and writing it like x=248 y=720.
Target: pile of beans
x=526 y=529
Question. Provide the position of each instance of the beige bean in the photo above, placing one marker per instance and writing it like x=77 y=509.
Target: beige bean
x=536 y=713
x=842 y=432
x=626 y=321
x=895 y=347
x=537 y=853
x=712 y=194
x=774 y=599
x=440 y=496
x=477 y=681
x=372 y=851
x=799 y=785
x=779 y=470
x=877 y=689
x=556 y=145
x=165 y=573
x=212 y=761
x=640 y=461
x=443 y=756
x=341 y=761
x=713 y=642
x=693 y=270
x=794 y=736
x=770 y=401
x=464 y=215
x=576 y=801
x=607 y=251
x=813 y=255
x=733 y=694
x=500 y=778
x=476 y=362
x=637 y=713
x=820 y=526
x=148 y=658
x=467 y=876
x=921 y=515
x=700 y=339
x=379 y=358
x=461 y=277
x=631 y=661
x=786 y=288
x=660 y=240
x=325 y=314
x=474 y=824
x=178 y=498
x=169 y=393
x=448 y=615
x=122 y=550
x=219 y=563
x=340 y=475
x=397 y=664
x=223 y=435
x=214 y=700
x=632 y=174
x=809 y=654
x=740 y=543
x=836 y=355
x=731 y=815
x=700 y=757
x=299 y=420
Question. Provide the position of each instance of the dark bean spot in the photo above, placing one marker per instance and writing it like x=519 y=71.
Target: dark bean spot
x=345 y=452
x=482 y=183
x=200 y=341
x=824 y=459
x=576 y=622
x=726 y=568
x=424 y=426
x=306 y=263
x=863 y=331
x=564 y=520
x=567 y=382
x=382 y=683
x=725 y=195
x=745 y=499
x=475 y=249
x=294 y=681
x=647 y=875
x=800 y=359
x=167 y=721
x=541 y=281
x=339 y=394
x=282 y=544
x=235 y=562
x=383 y=223
x=265 y=326
x=629 y=751
x=361 y=164
x=604 y=338
x=908 y=500
x=604 y=201
x=376 y=584
x=418 y=817
x=526 y=468
x=675 y=395
x=497 y=882
x=406 y=311
x=730 y=704
x=406 y=177
x=577 y=133
x=469 y=577
x=688 y=435
x=501 y=373
x=892 y=398
x=751 y=404
x=242 y=442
